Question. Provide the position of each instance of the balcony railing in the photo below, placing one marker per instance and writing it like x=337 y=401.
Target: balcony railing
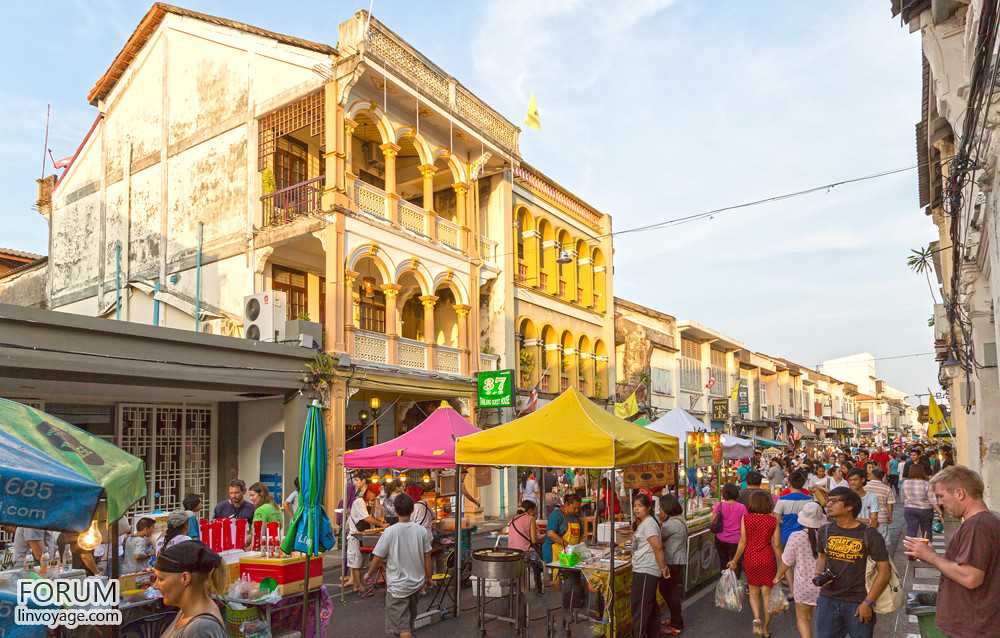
x=447 y=233
x=490 y=250
x=522 y=271
x=562 y=288
x=690 y=374
x=448 y=359
x=370 y=199
x=564 y=383
x=371 y=346
x=411 y=217
x=489 y=361
x=543 y=280
x=579 y=295
x=288 y=204
x=412 y=354
x=720 y=388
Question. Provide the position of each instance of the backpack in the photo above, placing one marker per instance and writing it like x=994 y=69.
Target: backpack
x=891 y=597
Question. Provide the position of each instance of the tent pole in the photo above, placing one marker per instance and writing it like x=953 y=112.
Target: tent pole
x=611 y=564
x=343 y=535
x=458 y=538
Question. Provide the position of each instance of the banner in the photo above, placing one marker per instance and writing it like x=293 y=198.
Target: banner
x=628 y=407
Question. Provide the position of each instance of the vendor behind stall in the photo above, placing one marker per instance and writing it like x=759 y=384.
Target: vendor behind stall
x=564 y=528
x=33 y=543
x=235 y=506
x=139 y=547
x=359 y=520
x=264 y=508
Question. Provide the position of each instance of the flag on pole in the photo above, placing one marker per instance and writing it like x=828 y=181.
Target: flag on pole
x=735 y=394
x=628 y=407
x=935 y=419
x=533 y=119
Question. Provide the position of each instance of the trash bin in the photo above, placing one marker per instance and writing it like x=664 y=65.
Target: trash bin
x=923 y=605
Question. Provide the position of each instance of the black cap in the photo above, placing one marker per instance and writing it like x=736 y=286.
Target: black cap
x=189 y=556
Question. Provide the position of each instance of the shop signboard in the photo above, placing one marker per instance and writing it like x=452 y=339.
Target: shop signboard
x=649 y=475
x=495 y=389
x=743 y=396
x=720 y=409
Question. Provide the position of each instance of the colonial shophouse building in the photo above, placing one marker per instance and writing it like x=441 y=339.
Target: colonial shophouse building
x=372 y=188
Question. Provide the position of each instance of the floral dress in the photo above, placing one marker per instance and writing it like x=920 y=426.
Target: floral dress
x=798 y=555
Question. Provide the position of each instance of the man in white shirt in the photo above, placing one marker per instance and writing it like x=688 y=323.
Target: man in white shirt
x=406 y=550
x=33 y=542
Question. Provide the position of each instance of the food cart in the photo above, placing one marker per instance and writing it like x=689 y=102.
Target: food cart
x=430 y=445
x=572 y=431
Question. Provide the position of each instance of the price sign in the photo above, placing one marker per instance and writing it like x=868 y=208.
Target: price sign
x=495 y=389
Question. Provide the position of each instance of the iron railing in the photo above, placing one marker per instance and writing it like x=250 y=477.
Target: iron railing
x=288 y=204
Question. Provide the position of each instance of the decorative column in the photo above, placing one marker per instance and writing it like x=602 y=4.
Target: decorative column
x=391 y=292
x=572 y=371
x=586 y=366
x=460 y=216
x=428 y=302
x=389 y=151
x=349 y=278
x=349 y=127
x=467 y=349
x=430 y=217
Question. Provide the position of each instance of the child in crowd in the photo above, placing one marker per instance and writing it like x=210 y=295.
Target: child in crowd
x=139 y=547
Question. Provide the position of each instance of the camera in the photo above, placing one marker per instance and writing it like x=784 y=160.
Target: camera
x=823 y=578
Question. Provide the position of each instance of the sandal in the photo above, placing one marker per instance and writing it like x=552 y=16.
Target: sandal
x=368 y=593
x=758 y=627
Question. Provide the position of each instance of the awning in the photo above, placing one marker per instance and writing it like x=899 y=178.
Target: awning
x=431 y=444
x=570 y=431
x=840 y=424
x=803 y=430
x=762 y=442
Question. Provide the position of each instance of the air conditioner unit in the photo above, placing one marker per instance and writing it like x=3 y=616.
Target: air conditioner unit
x=264 y=316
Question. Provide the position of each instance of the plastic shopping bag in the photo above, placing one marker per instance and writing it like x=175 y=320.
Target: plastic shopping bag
x=777 y=602
x=728 y=592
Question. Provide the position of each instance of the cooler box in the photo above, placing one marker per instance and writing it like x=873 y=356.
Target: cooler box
x=289 y=572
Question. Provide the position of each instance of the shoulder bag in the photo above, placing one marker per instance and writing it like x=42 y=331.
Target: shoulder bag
x=891 y=597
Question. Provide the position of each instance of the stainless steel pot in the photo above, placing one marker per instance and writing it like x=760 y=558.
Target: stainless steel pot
x=498 y=564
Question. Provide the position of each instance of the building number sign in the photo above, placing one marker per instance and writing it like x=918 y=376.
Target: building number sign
x=495 y=389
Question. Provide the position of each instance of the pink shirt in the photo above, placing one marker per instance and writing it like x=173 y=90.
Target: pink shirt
x=520 y=533
x=732 y=513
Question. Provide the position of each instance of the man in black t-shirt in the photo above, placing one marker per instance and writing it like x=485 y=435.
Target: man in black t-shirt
x=845 y=605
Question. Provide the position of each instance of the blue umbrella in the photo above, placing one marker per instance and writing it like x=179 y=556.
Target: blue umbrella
x=310 y=531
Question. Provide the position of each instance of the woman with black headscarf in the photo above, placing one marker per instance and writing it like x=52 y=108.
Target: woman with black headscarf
x=187 y=574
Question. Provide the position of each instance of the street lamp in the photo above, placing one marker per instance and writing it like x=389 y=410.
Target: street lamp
x=951 y=367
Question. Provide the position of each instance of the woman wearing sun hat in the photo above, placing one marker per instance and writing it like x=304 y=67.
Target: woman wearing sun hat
x=800 y=553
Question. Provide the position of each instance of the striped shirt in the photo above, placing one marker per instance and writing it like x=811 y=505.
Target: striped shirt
x=885 y=495
x=917 y=493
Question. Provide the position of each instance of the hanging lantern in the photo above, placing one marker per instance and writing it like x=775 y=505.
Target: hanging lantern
x=369 y=286
x=89 y=540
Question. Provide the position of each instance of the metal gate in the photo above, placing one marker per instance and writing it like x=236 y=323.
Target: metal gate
x=177 y=443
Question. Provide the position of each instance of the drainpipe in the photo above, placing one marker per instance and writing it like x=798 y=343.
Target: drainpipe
x=118 y=281
x=156 y=304
x=197 y=274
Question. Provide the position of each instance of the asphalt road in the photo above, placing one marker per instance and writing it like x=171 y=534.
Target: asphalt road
x=364 y=617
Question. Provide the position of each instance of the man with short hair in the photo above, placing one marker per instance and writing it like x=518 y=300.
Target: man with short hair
x=856 y=479
x=754 y=479
x=886 y=498
x=405 y=548
x=862 y=461
x=235 y=506
x=35 y=543
x=969 y=589
x=845 y=604
x=789 y=504
x=564 y=528
x=192 y=507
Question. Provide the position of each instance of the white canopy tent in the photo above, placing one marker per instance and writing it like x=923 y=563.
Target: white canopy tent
x=678 y=422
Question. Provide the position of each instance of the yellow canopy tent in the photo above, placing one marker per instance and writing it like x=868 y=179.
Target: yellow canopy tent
x=571 y=431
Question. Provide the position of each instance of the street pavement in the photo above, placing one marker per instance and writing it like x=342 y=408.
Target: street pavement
x=364 y=617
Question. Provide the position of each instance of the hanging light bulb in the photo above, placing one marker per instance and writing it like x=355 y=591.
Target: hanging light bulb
x=374 y=478
x=89 y=540
x=699 y=473
x=426 y=478
x=387 y=478
x=403 y=478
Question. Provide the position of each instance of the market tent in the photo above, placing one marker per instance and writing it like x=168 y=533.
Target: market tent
x=430 y=444
x=73 y=468
x=734 y=447
x=678 y=422
x=768 y=443
x=570 y=431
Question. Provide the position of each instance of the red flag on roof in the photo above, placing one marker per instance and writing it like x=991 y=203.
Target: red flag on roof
x=60 y=163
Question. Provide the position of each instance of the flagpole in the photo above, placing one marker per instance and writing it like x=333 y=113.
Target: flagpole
x=45 y=146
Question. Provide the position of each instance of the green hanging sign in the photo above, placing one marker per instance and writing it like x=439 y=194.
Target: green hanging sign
x=495 y=389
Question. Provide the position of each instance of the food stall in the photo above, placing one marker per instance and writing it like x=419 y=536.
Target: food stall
x=572 y=431
x=58 y=477
x=428 y=446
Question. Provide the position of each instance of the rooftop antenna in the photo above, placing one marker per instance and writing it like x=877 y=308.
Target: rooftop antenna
x=45 y=147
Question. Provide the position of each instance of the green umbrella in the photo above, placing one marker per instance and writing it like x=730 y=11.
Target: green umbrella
x=119 y=474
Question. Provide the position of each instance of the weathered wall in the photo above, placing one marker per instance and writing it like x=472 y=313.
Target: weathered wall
x=26 y=288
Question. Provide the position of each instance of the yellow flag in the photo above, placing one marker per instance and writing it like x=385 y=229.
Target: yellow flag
x=935 y=418
x=533 y=119
x=736 y=392
x=628 y=407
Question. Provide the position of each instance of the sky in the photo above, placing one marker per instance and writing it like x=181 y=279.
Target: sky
x=650 y=110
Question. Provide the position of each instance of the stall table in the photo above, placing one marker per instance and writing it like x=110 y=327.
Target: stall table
x=703 y=558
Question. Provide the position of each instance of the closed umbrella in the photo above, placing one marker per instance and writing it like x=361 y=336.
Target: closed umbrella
x=55 y=472
x=310 y=531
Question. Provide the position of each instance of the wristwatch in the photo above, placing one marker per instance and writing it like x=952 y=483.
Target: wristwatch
x=869 y=602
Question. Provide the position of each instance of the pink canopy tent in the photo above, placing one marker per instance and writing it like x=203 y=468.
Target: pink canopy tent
x=431 y=445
